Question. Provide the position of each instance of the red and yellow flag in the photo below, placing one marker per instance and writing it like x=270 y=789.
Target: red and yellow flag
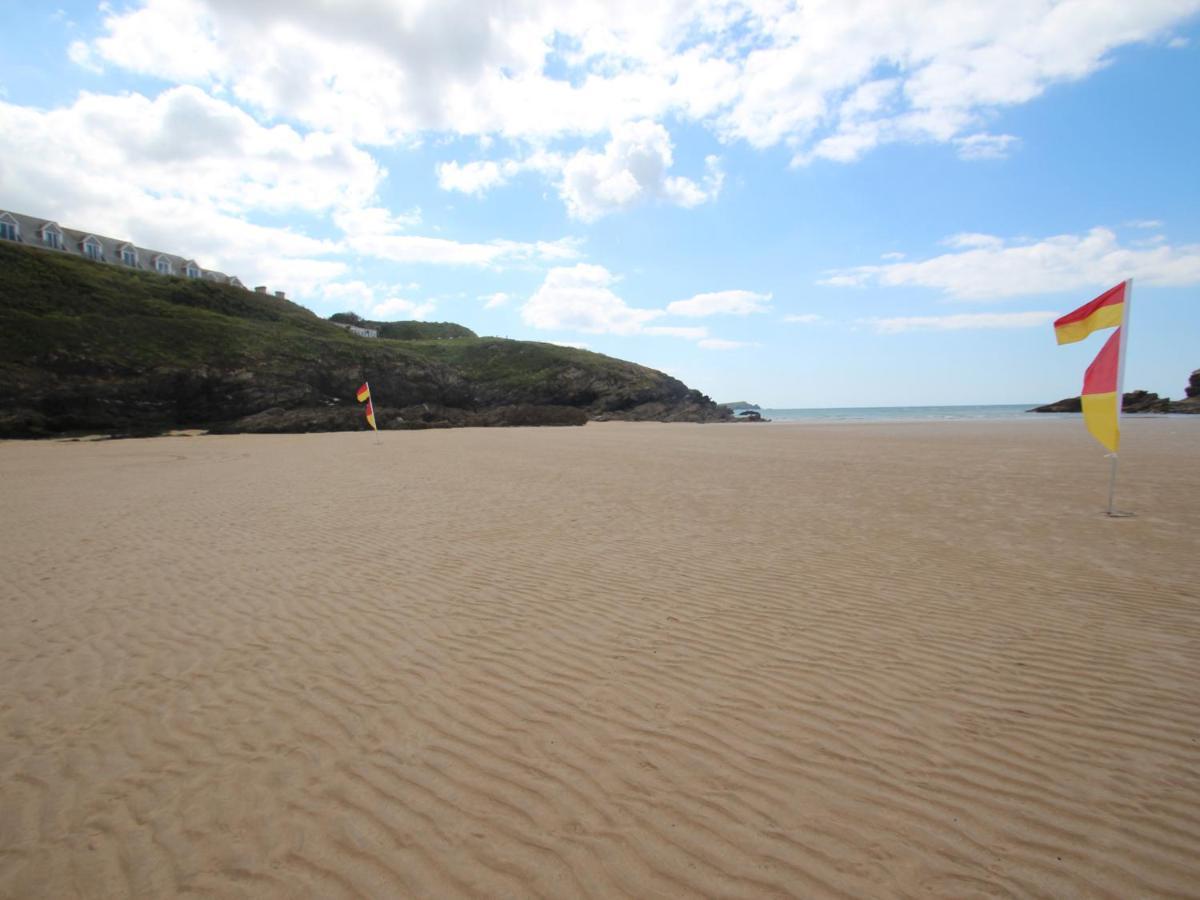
x=1106 y=311
x=364 y=394
x=1101 y=396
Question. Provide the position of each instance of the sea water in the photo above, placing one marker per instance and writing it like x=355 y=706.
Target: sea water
x=906 y=413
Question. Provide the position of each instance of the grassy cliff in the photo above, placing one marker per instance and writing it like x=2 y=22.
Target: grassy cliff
x=87 y=346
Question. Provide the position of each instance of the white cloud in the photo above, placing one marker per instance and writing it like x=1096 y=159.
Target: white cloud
x=737 y=303
x=960 y=322
x=580 y=298
x=894 y=255
x=397 y=308
x=187 y=144
x=375 y=232
x=494 y=300
x=803 y=318
x=768 y=72
x=475 y=177
x=576 y=345
x=985 y=146
x=720 y=344
x=1144 y=223
x=989 y=267
x=631 y=169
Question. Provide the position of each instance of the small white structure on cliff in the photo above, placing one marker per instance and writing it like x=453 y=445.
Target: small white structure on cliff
x=358 y=329
x=23 y=229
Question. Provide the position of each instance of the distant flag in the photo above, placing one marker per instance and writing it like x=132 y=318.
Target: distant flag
x=364 y=395
x=1102 y=382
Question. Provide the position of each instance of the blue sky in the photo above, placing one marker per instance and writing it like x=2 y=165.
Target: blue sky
x=846 y=203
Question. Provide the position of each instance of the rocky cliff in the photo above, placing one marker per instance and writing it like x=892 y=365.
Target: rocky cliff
x=92 y=347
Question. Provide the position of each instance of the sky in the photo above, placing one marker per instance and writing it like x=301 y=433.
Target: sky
x=828 y=203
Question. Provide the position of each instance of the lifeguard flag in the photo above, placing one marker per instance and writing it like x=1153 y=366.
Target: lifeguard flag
x=1106 y=311
x=1101 y=396
x=364 y=393
x=371 y=414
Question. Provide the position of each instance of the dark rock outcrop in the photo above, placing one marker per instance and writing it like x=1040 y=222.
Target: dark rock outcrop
x=1134 y=402
x=1066 y=405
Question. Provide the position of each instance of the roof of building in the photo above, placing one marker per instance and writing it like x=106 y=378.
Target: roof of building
x=28 y=227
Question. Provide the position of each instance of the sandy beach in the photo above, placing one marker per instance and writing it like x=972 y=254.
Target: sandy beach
x=623 y=660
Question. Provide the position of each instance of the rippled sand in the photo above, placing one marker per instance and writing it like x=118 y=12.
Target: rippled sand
x=619 y=660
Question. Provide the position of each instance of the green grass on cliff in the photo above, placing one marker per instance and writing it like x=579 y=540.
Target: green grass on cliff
x=68 y=314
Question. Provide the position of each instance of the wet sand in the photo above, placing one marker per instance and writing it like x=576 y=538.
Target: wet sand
x=631 y=660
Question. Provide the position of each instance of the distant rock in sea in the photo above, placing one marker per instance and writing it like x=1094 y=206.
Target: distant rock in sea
x=1138 y=401
x=735 y=405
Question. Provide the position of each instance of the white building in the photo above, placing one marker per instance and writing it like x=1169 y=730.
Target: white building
x=358 y=329
x=23 y=229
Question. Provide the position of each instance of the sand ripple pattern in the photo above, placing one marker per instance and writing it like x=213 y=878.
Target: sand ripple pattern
x=618 y=661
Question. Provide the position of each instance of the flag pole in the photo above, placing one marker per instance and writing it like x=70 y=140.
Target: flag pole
x=374 y=424
x=1112 y=478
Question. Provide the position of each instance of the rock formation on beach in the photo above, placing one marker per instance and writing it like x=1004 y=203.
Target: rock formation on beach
x=92 y=348
x=1137 y=401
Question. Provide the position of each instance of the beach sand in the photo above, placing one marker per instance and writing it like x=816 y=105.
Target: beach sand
x=642 y=660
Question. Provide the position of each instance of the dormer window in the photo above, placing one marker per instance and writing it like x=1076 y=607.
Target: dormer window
x=9 y=230
x=191 y=270
x=92 y=249
x=128 y=255
x=162 y=265
x=51 y=236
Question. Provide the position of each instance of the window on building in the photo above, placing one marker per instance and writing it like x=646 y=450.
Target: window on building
x=52 y=237
x=92 y=250
x=191 y=271
x=8 y=228
x=128 y=256
x=162 y=266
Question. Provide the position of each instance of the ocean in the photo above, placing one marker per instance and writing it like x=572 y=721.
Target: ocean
x=906 y=413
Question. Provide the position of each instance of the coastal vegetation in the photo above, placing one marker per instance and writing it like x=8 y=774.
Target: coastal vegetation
x=90 y=347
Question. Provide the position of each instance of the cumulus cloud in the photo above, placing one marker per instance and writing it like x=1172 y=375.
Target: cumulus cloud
x=987 y=267
x=632 y=168
x=491 y=301
x=827 y=79
x=960 y=322
x=580 y=298
x=185 y=143
x=477 y=177
x=803 y=318
x=736 y=303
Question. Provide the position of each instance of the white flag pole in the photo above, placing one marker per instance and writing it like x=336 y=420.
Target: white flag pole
x=1112 y=479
